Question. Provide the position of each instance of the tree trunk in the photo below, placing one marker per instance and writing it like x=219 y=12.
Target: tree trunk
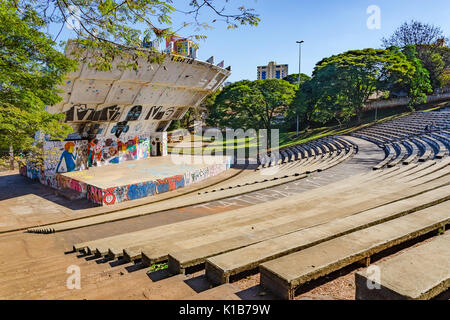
x=359 y=115
x=11 y=157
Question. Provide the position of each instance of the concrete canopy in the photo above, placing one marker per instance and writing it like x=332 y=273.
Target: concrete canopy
x=141 y=101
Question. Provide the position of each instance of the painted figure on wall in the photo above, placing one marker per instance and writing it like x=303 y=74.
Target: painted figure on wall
x=68 y=157
x=95 y=152
x=110 y=151
x=127 y=150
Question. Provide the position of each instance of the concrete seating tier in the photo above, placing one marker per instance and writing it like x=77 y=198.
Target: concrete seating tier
x=399 y=193
x=407 y=136
x=284 y=275
x=420 y=273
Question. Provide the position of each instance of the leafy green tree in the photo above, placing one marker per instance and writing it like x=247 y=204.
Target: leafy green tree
x=419 y=84
x=414 y=33
x=293 y=78
x=344 y=82
x=437 y=61
x=303 y=104
x=427 y=38
x=252 y=104
x=30 y=70
x=117 y=27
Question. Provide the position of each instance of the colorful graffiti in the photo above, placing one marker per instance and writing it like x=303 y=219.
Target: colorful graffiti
x=127 y=150
x=112 y=151
x=141 y=190
x=144 y=148
x=120 y=194
x=169 y=184
x=65 y=156
x=64 y=182
x=94 y=194
x=68 y=157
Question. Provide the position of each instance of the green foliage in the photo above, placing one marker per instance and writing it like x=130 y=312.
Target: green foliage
x=419 y=84
x=414 y=33
x=252 y=104
x=30 y=70
x=437 y=61
x=293 y=78
x=109 y=28
x=157 y=267
x=434 y=58
x=304 y=103
x=343 y=83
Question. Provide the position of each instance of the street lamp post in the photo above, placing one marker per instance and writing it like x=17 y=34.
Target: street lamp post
x=299 y=73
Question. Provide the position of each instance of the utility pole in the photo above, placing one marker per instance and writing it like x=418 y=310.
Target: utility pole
x=299 y=73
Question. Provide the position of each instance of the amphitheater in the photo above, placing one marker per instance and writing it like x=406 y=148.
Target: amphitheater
x=309 y=222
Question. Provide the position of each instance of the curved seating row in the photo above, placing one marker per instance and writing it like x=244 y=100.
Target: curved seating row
x=317 y=155
x=286 y=247
x=406 y=141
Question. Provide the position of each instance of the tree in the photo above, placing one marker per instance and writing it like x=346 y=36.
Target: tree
x=303 y=104
x=252 y=104
x=427 y=39
x=436 y=60
x=30 y=70
x=344 y=82
x=111 y=28
x=293 y=78
x=419 y=84
x=414 y=33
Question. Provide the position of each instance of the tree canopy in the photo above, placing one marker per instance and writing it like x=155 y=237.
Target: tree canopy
x=293 y=78
x=118 y=27
x=429 y=42
x=252 y=104
x=344 y=82
x=30 y=69
x=414 y=33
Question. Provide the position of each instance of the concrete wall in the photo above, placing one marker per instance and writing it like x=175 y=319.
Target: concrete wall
x=403 y=101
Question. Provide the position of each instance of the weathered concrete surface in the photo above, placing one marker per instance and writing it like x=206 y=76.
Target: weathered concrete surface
x=136 y=171
x=25 y=203
x=220 y=268
x=224 y=292
x=283 y=275
x=285 y=217
x=421 y=273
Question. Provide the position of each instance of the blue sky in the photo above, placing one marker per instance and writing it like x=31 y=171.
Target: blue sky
x=327 y=26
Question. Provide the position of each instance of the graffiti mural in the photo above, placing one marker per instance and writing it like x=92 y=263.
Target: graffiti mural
x=94 y=194
x=113 y=151
x=65 y=156
x=64 y=182
x=95 y=152
x=110 y=152
x=141 y=190
x=144 y=146
x=169 y=184
x=127 y=150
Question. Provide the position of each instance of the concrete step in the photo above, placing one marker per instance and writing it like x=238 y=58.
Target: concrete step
x=185 y=254
x=420 y=273
x=223 y=292
x=220 y=268
x=284 y=275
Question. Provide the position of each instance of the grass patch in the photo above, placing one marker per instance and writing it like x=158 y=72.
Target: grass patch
x=157 y=267
x=288 y=139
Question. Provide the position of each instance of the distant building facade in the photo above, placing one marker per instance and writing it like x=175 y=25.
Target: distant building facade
x=272 y=71
x=181 y=46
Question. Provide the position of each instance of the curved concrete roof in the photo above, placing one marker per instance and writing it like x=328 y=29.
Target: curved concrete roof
x=146 y=99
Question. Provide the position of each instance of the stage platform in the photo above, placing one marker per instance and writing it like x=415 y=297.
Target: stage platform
x=130 y=180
